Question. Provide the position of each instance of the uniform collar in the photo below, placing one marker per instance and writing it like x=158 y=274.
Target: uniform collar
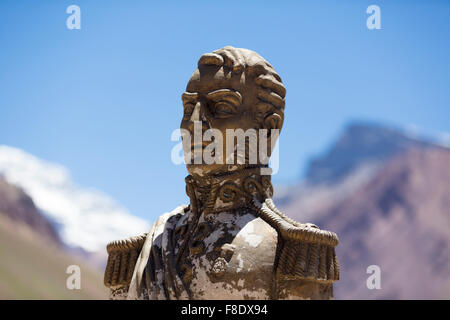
x=228 y=191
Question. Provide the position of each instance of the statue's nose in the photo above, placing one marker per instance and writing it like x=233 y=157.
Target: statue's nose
x=198 y=117
x=197 y=113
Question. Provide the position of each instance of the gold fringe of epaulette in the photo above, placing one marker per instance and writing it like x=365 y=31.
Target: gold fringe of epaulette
x=122 y=257
x=306 y=252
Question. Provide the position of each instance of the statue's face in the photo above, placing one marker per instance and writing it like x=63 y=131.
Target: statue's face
x=217 y=100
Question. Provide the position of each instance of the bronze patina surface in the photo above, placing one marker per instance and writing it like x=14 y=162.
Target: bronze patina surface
x=230 y=242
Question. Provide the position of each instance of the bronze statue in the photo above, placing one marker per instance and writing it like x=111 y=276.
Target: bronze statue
x=231 y=242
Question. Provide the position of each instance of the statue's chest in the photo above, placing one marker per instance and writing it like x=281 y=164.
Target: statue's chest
x=231 y=257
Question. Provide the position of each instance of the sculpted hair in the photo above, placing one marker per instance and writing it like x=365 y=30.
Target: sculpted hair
x=271 y=92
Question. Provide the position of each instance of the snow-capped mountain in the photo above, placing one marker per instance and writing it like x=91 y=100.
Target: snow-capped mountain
x=85 y=217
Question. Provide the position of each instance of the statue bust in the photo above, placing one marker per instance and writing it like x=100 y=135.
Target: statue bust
x=230 y=242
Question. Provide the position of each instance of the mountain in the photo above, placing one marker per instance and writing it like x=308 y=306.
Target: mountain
x=85 y=217
x=360 y=144
x=47 y=222
x=33 y=260
x=20 y=208
x=399 y=221
x=387 y=196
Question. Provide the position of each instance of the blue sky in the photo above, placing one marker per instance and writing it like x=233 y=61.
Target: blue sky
x=104 y=100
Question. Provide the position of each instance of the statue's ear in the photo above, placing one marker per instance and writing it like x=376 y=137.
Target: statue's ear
x=273 y=121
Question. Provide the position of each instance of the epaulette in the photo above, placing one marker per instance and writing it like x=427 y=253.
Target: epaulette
x=304 y=251
x=122 y=257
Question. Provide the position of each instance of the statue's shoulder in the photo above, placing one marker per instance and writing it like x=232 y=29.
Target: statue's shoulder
x=122 y=257
x=303 y=251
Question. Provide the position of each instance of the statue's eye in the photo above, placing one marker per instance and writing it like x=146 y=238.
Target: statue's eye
x=224 y=109
x=188 y=109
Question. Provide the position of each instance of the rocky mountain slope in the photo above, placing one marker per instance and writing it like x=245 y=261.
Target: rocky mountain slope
x=360 y=144
x=20 y=208
x=33 y=260
x=85 y=217
x=390 y=207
